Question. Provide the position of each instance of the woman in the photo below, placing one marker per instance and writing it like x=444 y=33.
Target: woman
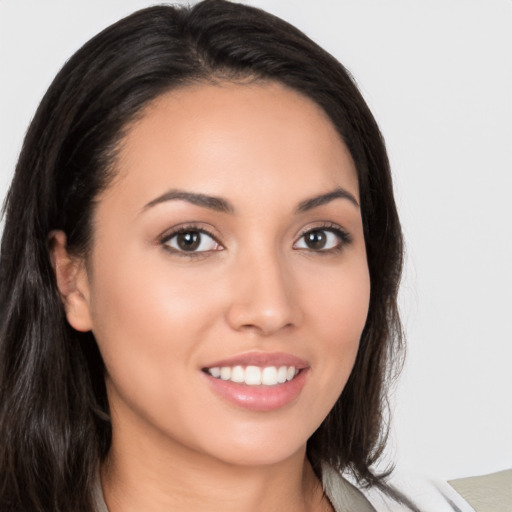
x=199 y=273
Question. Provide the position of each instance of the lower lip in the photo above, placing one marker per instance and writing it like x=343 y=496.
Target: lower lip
x=259 y=398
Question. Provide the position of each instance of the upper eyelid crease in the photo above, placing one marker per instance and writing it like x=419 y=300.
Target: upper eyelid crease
x=322 y=225
x=326 y=226
x=186 y=229
x=338 y=231
x=166 y=238
x=344 y=236
x=344 y=239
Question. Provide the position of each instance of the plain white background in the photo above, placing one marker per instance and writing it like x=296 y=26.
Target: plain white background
x=438 y=77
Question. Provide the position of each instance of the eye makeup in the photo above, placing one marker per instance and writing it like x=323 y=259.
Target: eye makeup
x=190 y=241
x=194 y=240
x=324 y=238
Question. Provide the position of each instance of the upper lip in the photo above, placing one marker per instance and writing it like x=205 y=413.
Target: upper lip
x=262 y=359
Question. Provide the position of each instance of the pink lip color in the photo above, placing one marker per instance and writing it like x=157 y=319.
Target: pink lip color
x=260 y=398
x=262 y=359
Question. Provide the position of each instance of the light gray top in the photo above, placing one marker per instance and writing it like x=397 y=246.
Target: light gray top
x=487 y=493
x=343 y=496
x=99 y=501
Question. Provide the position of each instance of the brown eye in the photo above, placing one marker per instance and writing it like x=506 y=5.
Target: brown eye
x=323 y=239
x=315 y=239
x=189 y=241
x=192 y=241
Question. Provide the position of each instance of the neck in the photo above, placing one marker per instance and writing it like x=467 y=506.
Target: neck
x=143 y=476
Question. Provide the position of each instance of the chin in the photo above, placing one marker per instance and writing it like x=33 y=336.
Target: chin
x=256 y=456
x=258 y=445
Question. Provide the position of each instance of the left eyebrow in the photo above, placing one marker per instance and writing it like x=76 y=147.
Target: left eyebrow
x=314 y=202
x=211 y=202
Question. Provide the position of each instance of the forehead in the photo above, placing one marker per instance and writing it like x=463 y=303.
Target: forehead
x=258 y=137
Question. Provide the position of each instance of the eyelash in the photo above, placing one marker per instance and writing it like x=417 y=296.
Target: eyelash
x=164 y=241
x=343 y=236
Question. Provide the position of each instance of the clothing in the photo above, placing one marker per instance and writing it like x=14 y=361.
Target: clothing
x=425 y=495
x=99 y=501
x=487 y=493
x=346 y=497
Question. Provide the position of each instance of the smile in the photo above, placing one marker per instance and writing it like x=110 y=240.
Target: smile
x=254 y=375
x=258 y=381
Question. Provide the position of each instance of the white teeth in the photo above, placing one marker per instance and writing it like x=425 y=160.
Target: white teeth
x=269 y=376
x=254 y=375
x=225 y=373
x=237 y=374
x=281 y=374
x=215 y=372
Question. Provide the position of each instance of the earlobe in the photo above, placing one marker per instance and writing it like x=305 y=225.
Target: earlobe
x=72 y=282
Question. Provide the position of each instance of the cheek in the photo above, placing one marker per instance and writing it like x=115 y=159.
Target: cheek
x=337 y=307
x=135 y=288
x=146 y=325
x=340 y=300
x=141 y=314
x=338 y=312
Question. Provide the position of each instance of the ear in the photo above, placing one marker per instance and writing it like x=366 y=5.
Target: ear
x=72 y=282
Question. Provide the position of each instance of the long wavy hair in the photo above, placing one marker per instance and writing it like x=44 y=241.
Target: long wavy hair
x=54 y=425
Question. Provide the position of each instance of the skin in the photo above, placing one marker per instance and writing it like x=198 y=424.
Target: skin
x=160 y=316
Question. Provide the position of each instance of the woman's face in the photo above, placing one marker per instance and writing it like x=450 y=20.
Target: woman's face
x=228 y=286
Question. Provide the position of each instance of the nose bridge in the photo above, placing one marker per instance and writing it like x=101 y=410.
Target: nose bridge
x=263 y=296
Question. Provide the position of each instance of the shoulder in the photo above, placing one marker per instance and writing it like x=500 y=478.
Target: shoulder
x=422 y=494
x=425 y=494
x=487 y=492
x=343 y=495
x=99 y=501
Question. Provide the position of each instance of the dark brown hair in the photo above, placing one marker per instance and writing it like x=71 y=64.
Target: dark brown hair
x=54 y=430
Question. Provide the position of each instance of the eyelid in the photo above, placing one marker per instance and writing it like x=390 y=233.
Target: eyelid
x=342 y=233
x=339 y=231
x=184 y=228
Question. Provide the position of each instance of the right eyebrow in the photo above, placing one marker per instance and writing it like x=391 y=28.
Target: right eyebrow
x=337 y=193
x=217 y=204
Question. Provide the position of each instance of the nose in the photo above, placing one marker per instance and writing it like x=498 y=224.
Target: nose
x=264 y=296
